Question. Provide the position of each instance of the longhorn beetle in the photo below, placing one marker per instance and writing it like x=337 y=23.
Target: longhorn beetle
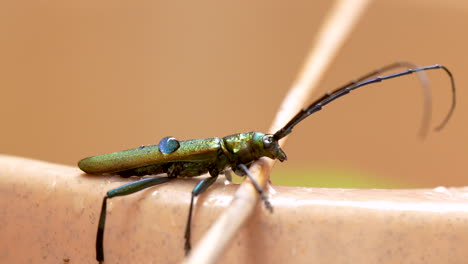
x=216 y=155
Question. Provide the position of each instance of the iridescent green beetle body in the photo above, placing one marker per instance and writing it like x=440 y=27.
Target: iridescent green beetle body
x=192 y=158
x=215 y=155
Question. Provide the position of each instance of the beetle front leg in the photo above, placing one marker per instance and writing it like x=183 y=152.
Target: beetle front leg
x=257 y=186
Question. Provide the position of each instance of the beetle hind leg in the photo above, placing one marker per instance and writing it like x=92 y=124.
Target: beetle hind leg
x=126 y=189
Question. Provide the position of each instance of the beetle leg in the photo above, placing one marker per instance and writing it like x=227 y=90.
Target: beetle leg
x=257 y=186
x=199 y=188
x=126 y=189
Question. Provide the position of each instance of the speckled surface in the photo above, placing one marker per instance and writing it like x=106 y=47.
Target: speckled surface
x=49 y=212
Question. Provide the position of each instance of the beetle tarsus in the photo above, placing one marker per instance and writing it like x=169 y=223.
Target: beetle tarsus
x=267 y=202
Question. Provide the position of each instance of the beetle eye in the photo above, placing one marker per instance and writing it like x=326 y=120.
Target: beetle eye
x=267 y=140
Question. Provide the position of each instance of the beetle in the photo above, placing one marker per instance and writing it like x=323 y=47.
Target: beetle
x=216 y=155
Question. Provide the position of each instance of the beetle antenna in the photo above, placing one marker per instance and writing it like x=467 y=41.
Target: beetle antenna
x=363 y=81
x=454 y=101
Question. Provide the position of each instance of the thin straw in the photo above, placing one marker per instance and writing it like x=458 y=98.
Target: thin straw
x=336 y=28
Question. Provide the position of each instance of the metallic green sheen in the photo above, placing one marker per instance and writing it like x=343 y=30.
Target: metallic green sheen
x=190 y=150
x=192 y=158
x=245 y=148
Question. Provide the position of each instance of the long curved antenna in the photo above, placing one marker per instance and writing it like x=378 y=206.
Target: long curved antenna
x=329 y=97
x=427 y=106
x=454 y=101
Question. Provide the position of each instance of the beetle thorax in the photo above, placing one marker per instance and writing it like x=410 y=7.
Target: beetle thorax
x=244 y=148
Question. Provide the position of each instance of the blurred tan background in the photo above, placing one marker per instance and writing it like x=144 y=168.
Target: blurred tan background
x=87 y=77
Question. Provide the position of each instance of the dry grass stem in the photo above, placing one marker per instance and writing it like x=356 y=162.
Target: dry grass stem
x=336 y=28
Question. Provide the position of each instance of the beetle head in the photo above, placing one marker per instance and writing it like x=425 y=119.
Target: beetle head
x=270 y=144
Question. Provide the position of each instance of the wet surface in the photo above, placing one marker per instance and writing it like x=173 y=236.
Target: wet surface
x=52 y=210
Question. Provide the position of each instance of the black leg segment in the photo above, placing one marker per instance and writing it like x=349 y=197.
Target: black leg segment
x=199 y=188
x=126 y=189
x=257 y=186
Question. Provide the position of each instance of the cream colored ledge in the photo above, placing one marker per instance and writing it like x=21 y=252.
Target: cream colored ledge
x=49 y=213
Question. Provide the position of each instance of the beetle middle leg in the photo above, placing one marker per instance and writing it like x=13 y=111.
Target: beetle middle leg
x=199 y=188
x=126 y=189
